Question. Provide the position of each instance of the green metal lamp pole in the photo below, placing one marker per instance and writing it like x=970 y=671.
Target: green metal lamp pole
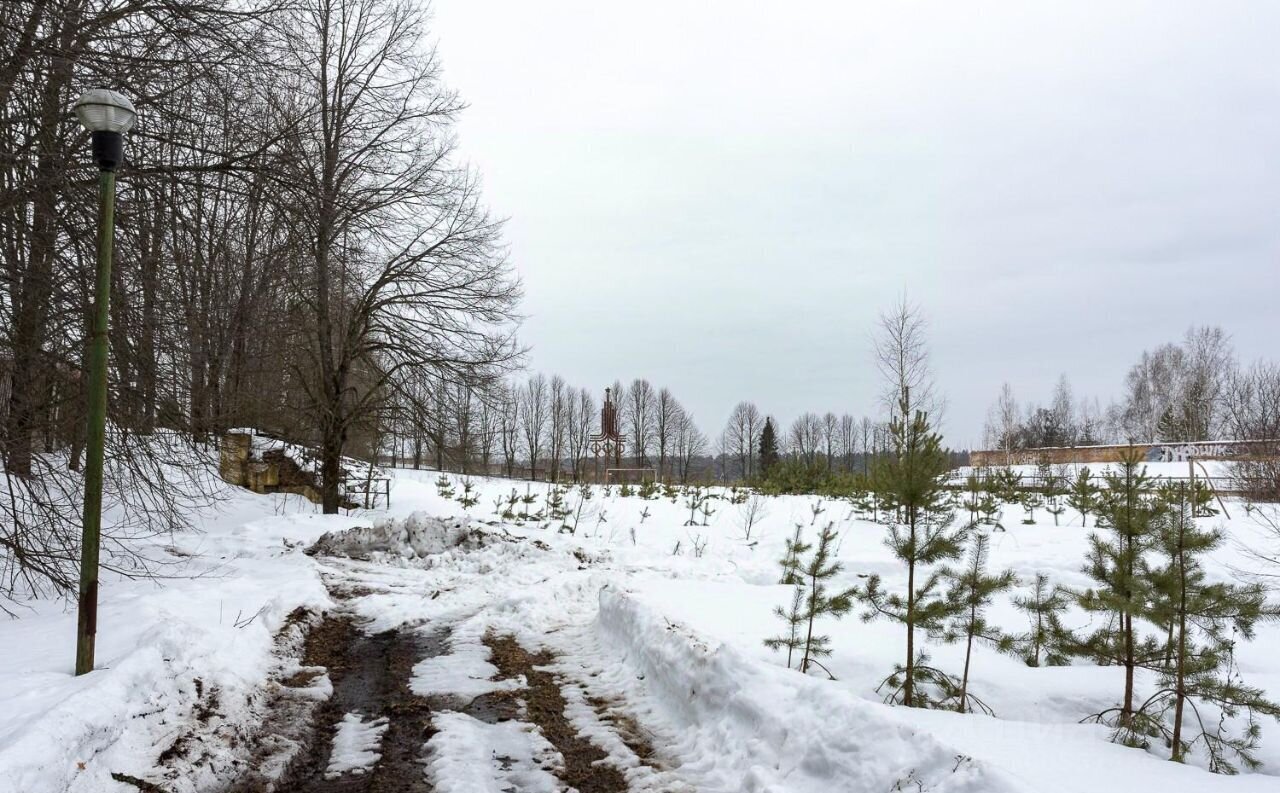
x=107 y=115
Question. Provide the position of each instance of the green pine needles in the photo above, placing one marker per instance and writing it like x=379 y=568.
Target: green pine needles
x=1045 y=643
x=1200 y=696
x=1122 y=586
x=911 y=480
x=811 y=598
x=971 y=592
x=1083 y=494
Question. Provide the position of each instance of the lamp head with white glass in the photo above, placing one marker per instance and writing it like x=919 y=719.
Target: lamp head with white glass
x=107 y=115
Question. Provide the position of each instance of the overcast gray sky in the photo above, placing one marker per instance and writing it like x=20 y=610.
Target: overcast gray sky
x=720 y=196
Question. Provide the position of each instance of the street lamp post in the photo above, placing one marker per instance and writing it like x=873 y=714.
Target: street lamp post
x=107 y=115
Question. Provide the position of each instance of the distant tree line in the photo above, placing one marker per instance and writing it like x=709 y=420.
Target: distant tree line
x=1192 y=390
x=539 y=427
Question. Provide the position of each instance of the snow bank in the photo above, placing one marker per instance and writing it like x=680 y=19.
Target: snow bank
x=753 y=727
x=416 y=536
x=196 y=645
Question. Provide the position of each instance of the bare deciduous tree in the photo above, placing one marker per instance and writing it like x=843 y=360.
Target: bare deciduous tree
x=638 y=414
x=533 y=412
x=740 y=435
x=902 y=357
x=398 y=264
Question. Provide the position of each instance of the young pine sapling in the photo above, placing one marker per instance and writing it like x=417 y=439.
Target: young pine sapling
x=970 y=593
x=1122 y=590
x=812 y=599
x=1206 y=618
x=912 y=480
x=1044 y=644
x=1083 y=495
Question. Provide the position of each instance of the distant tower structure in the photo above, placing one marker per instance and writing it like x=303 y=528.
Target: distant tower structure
x=608 y=441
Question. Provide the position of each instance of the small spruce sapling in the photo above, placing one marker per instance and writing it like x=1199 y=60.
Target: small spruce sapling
x=469 y=496
x=815 y=510
x=1031 y=500
x=444 y=487
x=528 y=500
x=557 y=509
x=970 y=593
x=694 y=498
x=990 y=509
x=1007 y=485
x=706 y=511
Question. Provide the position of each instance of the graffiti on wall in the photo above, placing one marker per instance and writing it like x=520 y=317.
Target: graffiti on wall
x=1182 y=452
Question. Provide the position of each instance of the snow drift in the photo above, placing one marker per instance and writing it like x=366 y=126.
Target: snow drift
x=763 y=729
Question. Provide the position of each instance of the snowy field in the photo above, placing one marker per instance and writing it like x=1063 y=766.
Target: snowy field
x=663 y=622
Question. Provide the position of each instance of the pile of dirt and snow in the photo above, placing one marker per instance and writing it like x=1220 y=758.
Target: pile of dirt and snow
x=414 y=537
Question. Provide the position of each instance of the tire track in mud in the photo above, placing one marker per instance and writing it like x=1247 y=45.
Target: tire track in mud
x=370 y=675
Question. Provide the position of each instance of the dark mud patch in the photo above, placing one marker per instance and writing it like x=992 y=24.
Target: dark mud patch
x=584 y=766
x=626 y=727
x=370 y=675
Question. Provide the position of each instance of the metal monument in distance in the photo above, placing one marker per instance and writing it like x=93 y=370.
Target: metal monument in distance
x=608 y=441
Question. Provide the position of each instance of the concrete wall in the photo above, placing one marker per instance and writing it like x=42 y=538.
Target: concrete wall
x=1152 y=453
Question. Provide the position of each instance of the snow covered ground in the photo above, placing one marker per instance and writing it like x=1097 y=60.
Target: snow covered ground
x=649 y=624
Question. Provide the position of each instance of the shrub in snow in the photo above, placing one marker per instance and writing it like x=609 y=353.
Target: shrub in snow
x=750 y=512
